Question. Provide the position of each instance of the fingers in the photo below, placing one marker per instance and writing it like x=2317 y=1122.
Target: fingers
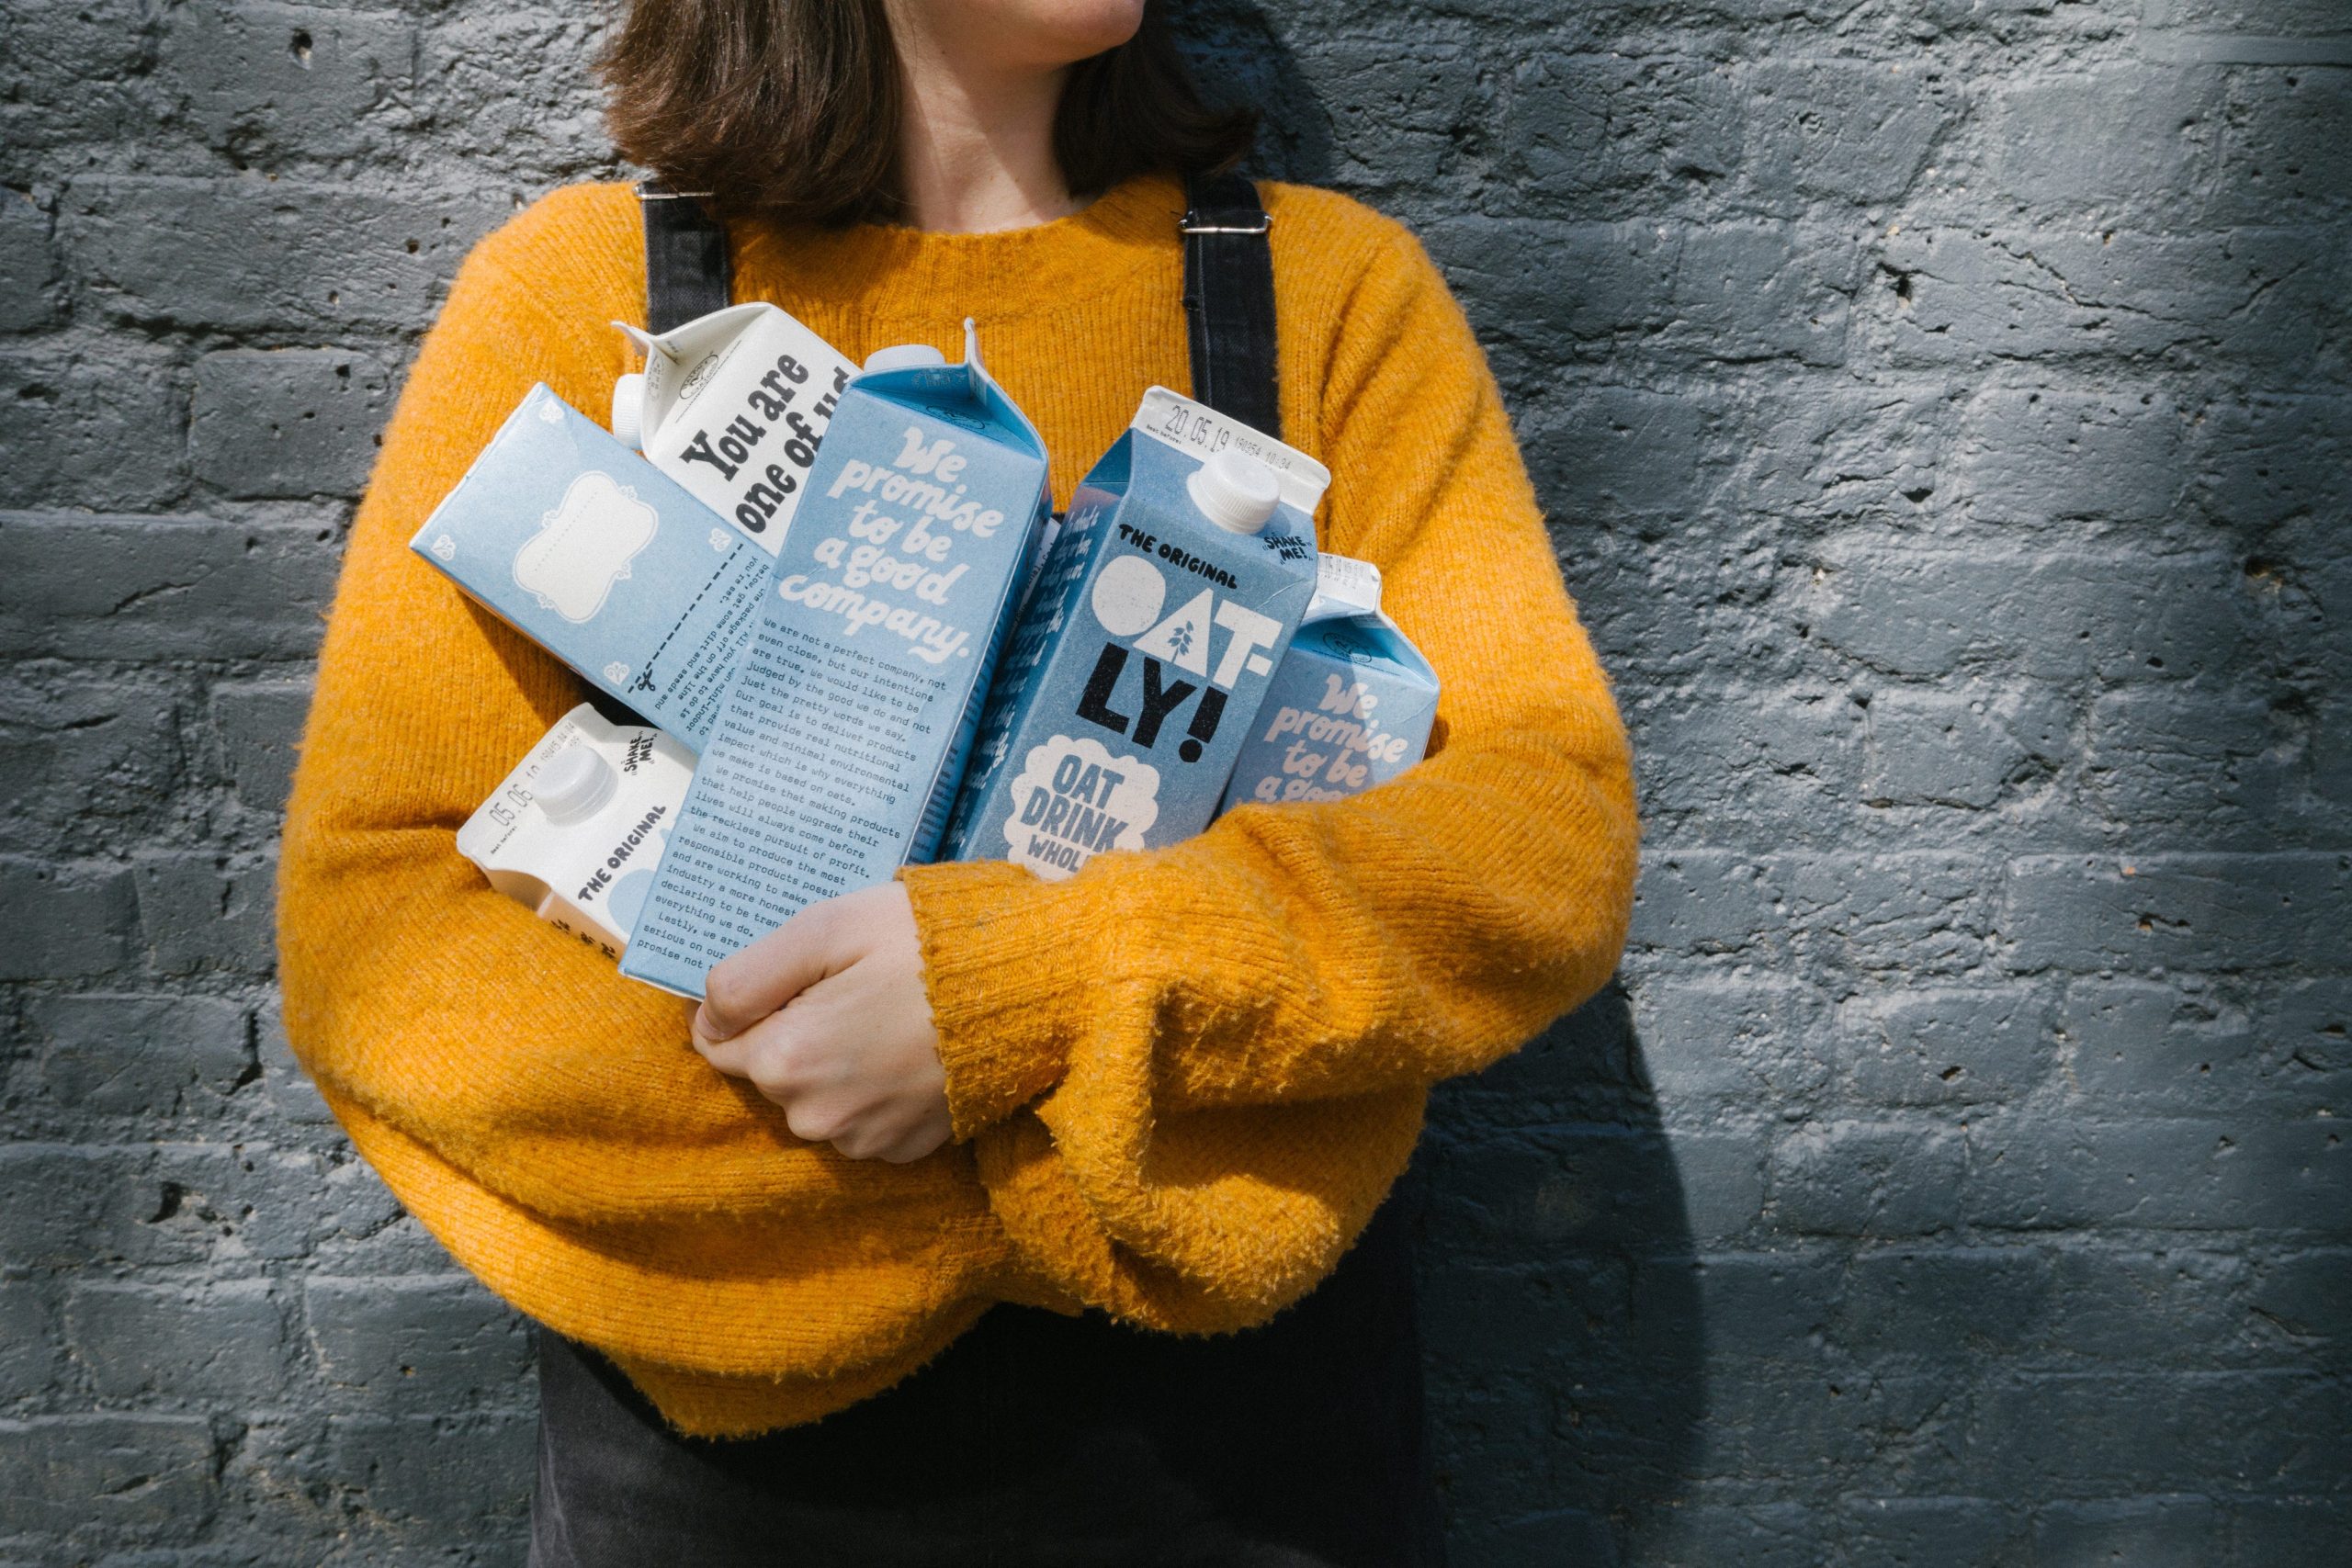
x=891 y=1146
x=746 y=986
x=924 y=1140
x=731 y=1055
x=782 y=1055
x=784 y=1059
x=812 y=1122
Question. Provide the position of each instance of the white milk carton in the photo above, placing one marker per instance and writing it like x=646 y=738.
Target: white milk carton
x=605 y=561
x=845 y=727
x=732 y=405
x=575 y=831
x=1142 y=654
x=1350 y=704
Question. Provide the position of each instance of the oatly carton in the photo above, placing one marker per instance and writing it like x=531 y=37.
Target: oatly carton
x=732 y=405
x=606 y=562
x=845 y=727
x=573 y=833
x=1350 y=704
x=1142 y=654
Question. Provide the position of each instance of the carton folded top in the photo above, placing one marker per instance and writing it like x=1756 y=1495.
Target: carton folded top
x=1200 y=432
x=964 y=395
x=1343 y=586
x=680 y=362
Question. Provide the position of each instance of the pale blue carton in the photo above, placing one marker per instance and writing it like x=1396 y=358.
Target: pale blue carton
x=1146 y=646
x=605 y=561
x=845 y=727
x=1352 y=703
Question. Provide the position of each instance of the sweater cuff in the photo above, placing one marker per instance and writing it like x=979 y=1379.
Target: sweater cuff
x=997 y=946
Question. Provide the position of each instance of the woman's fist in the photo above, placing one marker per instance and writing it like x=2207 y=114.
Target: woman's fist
x=827 y=1016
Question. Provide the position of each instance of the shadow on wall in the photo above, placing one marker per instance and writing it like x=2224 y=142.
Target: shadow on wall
x=1241 y=59
x=1561 y=1302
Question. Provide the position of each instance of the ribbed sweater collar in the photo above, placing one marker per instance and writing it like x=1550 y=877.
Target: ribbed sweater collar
x=999 y=274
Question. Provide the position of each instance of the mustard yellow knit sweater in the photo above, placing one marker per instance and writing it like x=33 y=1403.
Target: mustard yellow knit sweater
x=1181 y=1080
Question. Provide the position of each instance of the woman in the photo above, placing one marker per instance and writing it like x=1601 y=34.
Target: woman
x=1118 y=1123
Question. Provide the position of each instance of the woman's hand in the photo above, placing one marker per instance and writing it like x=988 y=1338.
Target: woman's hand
x=827 y=1016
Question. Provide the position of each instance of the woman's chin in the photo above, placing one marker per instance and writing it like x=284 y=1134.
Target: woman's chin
x=1052 y=32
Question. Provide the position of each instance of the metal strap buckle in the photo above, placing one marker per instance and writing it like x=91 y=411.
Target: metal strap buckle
x=1190 y=224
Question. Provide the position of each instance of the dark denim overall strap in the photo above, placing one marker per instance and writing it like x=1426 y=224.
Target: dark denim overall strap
x=1036 y=1439
x=1229 y=301
x=685 y=258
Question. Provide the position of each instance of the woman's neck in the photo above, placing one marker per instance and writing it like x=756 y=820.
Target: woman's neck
x=977 y=142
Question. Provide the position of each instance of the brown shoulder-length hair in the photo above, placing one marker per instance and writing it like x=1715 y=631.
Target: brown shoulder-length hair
x=789 y=109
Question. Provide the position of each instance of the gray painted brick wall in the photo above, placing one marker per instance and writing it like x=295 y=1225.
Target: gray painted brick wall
x=1945 y=415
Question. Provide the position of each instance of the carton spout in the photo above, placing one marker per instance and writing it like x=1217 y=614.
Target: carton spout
x=903 y=356
x=629 y=410
x=574 y=786
x=1235 y=491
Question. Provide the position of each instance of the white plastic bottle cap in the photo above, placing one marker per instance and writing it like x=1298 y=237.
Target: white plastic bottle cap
x=572 y=787
x=903 y=356
x=1238 y=492
x=628 y=409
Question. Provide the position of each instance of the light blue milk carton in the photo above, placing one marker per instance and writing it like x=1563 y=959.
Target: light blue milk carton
x=845 y=728
x=1350 y=704
x=1141 y=657
x=605 y=561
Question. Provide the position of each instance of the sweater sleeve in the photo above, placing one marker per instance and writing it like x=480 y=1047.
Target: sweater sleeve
x=1232 y=1036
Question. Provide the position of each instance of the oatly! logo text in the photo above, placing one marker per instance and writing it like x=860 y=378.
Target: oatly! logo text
x=1215 y=640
